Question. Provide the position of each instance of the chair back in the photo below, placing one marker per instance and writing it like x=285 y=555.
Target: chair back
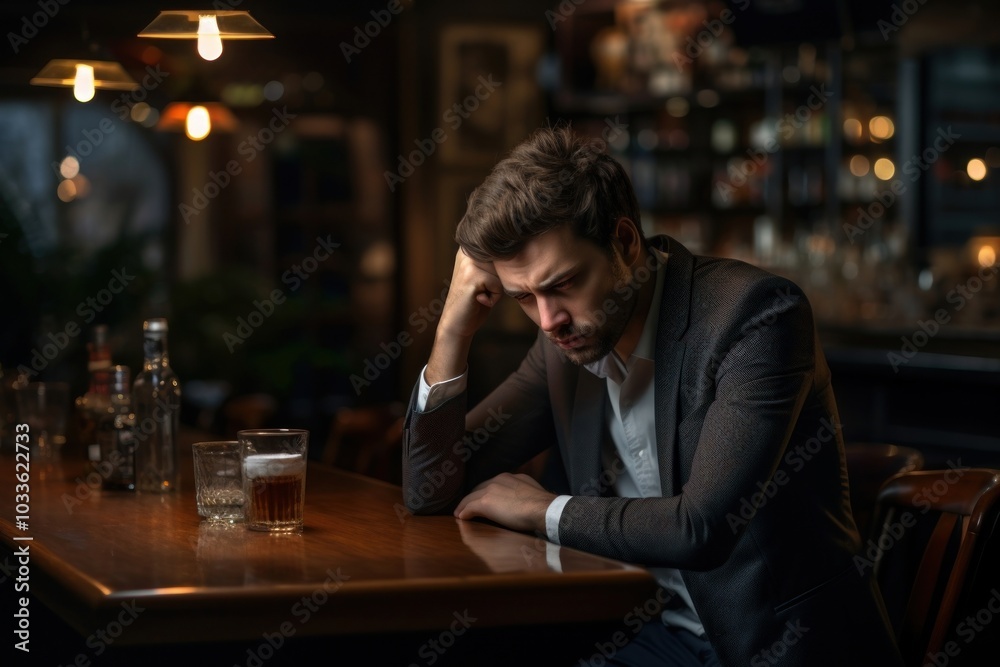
x=368 y=440
x=869 y=466
x=934 y=560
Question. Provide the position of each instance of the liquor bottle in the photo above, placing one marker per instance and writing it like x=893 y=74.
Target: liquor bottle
x=96 y=400
x=116 y=434
x=156 y=395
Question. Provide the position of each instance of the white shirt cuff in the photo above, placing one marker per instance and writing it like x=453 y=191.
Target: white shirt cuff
x=552 y=515
x=429 y=397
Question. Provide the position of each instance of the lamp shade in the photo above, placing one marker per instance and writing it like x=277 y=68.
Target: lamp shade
x=184 y=25
x=107 y=74
x=174 y=118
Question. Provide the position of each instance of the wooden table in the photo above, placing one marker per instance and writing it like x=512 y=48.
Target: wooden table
x=362 y=565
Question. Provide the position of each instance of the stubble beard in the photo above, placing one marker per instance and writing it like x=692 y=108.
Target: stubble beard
x=608 y=334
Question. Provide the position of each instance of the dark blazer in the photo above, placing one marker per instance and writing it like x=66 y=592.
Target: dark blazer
x=755 y=509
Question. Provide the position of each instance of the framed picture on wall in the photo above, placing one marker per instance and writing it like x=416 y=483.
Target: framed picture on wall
x=489 y=98
x=454 y=188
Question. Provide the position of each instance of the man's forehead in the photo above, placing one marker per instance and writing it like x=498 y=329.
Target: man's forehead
x=543 y=273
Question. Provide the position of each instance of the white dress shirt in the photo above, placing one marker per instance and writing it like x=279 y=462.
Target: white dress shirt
x=632 y=426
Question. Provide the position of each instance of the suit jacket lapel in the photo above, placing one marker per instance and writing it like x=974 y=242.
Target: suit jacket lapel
x=589 y=407
x=675 y=308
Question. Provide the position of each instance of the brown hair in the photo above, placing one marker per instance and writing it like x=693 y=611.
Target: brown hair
x=552 y=178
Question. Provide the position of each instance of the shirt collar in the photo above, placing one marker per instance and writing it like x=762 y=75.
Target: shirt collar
x=645 y=348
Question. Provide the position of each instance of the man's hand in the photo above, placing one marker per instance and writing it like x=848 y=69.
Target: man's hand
x=475 y=289
x=515 y=501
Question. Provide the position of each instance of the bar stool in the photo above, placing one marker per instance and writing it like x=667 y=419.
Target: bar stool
x=869 y=466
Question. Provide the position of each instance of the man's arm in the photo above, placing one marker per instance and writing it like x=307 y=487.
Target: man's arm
x=442 y=443
x=474 y=290
x=762 y=383
x=447 y=450
x=761 y=387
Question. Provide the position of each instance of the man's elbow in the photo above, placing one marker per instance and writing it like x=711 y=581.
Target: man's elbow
x=712 y=550
x=420 y=506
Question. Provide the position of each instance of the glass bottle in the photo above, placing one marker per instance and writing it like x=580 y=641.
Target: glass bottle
x=156 y=395
x=116 y=434
x=96 y=400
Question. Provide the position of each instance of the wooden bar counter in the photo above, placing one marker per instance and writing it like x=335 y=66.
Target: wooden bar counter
x=361 y=566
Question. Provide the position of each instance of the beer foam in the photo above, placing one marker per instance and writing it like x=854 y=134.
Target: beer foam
x=273 y=465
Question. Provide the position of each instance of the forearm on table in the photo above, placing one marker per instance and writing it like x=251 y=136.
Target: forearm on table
x=433 y=465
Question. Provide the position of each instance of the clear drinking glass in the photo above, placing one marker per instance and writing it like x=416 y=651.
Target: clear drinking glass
x=44 y=407
x=218 y=480
x=274 y=477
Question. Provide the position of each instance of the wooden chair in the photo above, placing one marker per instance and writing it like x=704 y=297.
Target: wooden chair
x=368 y=440
x=936 y=564
x=248 y=411
x=869 y=466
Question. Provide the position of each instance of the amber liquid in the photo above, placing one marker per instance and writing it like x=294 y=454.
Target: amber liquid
x=275 y=503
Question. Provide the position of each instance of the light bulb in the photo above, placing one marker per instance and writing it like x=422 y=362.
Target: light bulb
x=198 y=124
x=83 y=83
x=209 y=40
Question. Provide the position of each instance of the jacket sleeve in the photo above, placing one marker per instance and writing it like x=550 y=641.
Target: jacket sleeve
x=447 y=451
x=765 y=373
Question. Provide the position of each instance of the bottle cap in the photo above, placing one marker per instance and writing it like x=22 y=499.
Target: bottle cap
x=155 y=325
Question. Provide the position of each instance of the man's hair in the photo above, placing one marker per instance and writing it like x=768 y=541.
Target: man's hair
x=552 y=178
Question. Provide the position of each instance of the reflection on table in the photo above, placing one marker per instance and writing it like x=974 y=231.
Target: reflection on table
x=361 y=565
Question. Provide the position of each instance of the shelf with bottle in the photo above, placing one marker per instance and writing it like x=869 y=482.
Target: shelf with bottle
x=729 y=134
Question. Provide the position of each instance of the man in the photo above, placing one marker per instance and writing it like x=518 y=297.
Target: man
x=689 y=400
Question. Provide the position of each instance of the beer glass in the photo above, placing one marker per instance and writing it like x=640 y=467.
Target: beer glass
x=274 y=477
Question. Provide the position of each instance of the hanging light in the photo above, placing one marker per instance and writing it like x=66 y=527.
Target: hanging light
x=84 y=76
x=197 y=123
x=207 y=26
x=209 y=38
x=90 y=70
x=83 y=82
x=197 y=119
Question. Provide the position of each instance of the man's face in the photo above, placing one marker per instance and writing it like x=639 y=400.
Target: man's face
x=566 y=285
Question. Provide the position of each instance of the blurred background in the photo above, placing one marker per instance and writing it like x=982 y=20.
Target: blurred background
x=300 y=250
